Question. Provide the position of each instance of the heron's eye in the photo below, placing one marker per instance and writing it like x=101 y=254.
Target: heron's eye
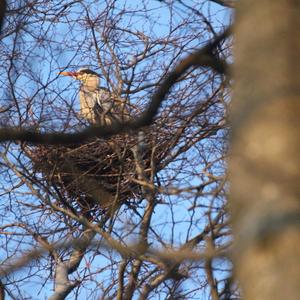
x=81 y=75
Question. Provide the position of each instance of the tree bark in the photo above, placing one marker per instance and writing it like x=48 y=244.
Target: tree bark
x=265 y=149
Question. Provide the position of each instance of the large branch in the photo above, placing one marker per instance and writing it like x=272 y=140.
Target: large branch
x=265 y=160
x=203 y=57
x=2 y=12
x=63 y=285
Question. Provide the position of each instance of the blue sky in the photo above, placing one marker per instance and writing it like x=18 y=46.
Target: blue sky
x=68 y=47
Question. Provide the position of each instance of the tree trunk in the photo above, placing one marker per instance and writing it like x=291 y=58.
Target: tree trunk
x=265 y=149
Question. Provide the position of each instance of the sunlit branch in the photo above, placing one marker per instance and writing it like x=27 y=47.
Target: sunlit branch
x=203 y=57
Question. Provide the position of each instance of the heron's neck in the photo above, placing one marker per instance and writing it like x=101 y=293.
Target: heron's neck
x=90 y=85
x=87 y=89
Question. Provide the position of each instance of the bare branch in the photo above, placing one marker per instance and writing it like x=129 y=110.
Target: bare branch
x=200 y=58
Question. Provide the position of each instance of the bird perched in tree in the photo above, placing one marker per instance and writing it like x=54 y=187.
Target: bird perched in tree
x=97 y=105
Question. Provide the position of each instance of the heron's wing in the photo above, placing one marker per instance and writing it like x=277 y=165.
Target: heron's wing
x=103 y=100
x=107 y=107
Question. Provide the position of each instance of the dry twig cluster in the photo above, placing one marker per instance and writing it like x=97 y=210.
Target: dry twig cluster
x=102 y=172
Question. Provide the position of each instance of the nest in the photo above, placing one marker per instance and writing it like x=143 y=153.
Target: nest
x=100 y=173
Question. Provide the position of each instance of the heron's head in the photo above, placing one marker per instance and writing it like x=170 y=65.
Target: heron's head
x=88 y=78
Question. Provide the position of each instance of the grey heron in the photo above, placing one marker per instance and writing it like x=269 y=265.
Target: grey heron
x=97 y=104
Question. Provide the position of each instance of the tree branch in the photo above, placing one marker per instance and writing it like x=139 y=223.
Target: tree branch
x=203 y=57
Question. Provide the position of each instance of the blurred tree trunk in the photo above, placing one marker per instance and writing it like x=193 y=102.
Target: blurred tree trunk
x=265 y=149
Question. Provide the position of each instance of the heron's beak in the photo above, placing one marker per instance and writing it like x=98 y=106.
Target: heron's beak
x=73 y=74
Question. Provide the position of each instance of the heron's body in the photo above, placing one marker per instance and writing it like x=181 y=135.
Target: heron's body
x=97 y=105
